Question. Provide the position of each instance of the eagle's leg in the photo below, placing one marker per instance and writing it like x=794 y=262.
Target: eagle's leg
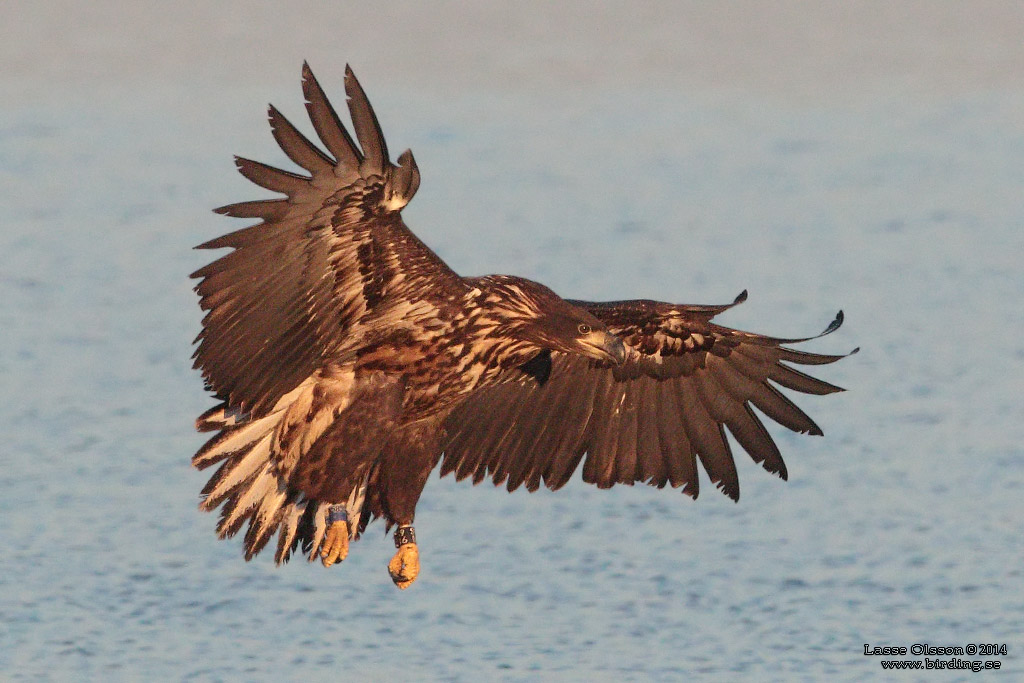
x=335 y=545
x=342 y=525
x=404 y=567
x=408 y=458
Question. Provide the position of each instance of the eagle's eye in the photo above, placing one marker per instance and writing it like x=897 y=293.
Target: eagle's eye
x=583 y=328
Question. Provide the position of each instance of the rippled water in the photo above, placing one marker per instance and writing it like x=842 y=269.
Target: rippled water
x=902 y=525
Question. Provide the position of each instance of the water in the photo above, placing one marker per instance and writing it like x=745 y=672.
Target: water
x=896 y=196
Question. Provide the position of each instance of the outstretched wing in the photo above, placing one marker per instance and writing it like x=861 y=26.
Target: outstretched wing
x=327 y=259
x=684 y=381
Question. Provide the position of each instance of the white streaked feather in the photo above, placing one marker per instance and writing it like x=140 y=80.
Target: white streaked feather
x=226 y=417
x=237 y=440
x=258 y=455
x=249 y=432
x=264 y=484
x=268 y=508
x=219 y=418
x=319 y=529
x=289 y=525
x=354 y=506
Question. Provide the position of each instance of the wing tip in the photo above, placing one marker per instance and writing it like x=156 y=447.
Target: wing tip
x=208 y=244
x=308 y=81
x=276 y=119
x=244 y=165
x=836 y=323
x=352 y=85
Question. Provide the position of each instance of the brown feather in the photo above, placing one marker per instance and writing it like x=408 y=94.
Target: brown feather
x=296 y=146
x=364 y=120
x=329 y=128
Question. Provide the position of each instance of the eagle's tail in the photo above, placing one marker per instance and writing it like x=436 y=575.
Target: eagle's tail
x=252 y=487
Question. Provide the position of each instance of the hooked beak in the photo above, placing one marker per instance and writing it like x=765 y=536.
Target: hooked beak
x=604 y=346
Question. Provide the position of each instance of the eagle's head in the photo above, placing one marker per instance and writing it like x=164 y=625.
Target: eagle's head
x=528 y=312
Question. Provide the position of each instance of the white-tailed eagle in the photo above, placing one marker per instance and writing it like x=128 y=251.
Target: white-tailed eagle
x=349 y=361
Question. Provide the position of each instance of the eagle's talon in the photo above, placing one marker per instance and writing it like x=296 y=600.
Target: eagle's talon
x=335 y=545
x=404 y=567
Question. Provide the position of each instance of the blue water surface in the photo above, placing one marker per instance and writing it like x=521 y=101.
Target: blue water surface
x=902 y=525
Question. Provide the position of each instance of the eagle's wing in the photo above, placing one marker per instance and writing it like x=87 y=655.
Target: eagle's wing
x=327 y=259
x=684 y=381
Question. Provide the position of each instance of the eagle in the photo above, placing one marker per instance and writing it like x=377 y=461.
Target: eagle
x=349 y=361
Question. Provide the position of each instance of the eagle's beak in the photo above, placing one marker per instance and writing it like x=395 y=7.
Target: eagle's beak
x=604 y=346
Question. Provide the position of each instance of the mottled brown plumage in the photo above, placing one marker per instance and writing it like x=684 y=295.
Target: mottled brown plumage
x=348 y=358
x=649 y=419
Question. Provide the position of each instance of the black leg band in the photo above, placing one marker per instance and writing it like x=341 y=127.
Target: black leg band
x=404 y=535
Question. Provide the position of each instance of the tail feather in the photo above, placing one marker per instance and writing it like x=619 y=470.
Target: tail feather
x=287 y=540
x=235 y=473
x=219 y=417
x=225 y=530
x=251 y=489
x=319 y=529
x=251 y=485
x=232 y=440
x=265 y=522
x=305 y=530
x=264 y=484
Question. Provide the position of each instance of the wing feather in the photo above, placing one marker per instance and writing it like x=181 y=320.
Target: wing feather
x=313 y=278
x=371 y=139
x=679 y=454
x=626 y=458
x=748 y=380
x=269 y=210
x=272 y=178
x=651 y=467
x=707 y=438
x=601 y=435
x=548 y=433
x=685 y=382
x=298 y=148
x=529 y=429
x=798 y=381
x=752 y=435
x=566 y=455
x=329 y=127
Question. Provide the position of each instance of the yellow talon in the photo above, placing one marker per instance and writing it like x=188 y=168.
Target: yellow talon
x=405 y=565
x=335 y=545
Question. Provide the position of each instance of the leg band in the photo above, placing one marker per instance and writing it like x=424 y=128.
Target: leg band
x=404 y=535
x=336 y=513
